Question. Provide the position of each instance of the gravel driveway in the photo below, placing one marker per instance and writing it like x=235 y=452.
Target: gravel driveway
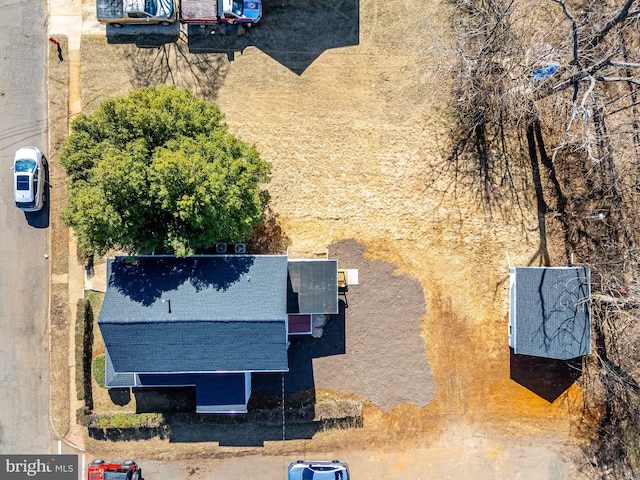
x=374 y=348
x=385 y=358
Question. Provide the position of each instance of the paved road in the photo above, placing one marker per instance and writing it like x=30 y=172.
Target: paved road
x=24 y=340
x=460 y=454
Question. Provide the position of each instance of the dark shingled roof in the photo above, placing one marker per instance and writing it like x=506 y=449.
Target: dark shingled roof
x=550 y=313
x=113 y=379
x=195 y=314
x=313 y=287
x=217 y=392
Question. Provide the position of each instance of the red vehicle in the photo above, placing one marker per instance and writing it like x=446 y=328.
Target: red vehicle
x=101 y=470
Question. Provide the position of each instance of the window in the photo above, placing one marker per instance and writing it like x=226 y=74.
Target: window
x=25 y=166
x=22 y=182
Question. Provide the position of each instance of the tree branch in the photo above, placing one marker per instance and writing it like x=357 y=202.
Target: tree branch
x=622 y=15
x=618 y=79
x=574 y=31
x=625 y=64
x=579 y=76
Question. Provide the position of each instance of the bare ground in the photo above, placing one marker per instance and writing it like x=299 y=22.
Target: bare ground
x=356 y=134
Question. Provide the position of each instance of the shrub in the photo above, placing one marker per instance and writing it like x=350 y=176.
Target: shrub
x=98 y=369
x=84 y=343
x=128 y=420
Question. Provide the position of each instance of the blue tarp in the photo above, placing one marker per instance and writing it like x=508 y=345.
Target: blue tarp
x=545 y=72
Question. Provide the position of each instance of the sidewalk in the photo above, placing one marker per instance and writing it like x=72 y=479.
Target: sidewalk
x=66 y=18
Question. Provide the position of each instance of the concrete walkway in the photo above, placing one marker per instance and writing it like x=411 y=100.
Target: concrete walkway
x=66 y=19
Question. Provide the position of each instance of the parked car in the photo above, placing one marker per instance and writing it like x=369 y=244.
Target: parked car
x=209 y=12
x=240 y=11
x=318 y=470
x=101 y=470
x=141 y=12
x=29 y=179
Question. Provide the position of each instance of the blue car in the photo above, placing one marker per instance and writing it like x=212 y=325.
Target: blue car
x=241 y=12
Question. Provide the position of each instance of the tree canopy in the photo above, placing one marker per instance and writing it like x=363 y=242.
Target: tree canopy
x=159 y=171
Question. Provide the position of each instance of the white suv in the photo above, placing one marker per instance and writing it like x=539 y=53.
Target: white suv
x=318 y=470
x=29 y=179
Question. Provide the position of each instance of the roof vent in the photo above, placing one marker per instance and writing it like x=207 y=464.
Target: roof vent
x=221 y=247
x=241 y=248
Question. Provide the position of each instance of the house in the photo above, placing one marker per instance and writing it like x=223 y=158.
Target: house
x=550 y=311
x=208 y=321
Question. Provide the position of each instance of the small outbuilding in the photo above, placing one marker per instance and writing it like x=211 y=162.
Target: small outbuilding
x=550 y=311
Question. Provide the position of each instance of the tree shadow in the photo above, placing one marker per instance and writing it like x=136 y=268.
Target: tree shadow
x=120 y=396
x=145 y=279
x=172 y=63
x=546 y=377
x=269 y=238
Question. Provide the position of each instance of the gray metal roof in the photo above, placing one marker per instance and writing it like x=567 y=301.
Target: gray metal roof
x=220 y=313
x=312 y=286
x=550 y=313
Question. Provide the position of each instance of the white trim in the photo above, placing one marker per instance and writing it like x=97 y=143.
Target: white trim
x=212 y=255
x=512 y=308
x=247 y=387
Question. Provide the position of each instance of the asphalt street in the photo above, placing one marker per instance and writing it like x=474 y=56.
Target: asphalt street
x=24 y=297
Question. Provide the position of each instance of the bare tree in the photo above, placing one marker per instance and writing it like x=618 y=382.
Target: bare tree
x=547 y=97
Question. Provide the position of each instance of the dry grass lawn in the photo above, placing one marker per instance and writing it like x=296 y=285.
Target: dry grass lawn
x=60 y=314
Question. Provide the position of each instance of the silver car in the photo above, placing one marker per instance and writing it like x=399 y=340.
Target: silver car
x=318 y=470
x=29 y=179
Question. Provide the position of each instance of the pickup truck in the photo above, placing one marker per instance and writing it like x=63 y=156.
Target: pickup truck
x=121 y=12
x=230 y=12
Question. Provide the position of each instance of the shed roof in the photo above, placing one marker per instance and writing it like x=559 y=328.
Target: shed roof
x=312 y=287
x=550 y=312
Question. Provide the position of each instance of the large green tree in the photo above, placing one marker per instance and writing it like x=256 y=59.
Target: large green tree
x=159 y=171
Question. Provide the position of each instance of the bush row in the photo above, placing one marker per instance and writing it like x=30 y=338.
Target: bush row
x=83 y=351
